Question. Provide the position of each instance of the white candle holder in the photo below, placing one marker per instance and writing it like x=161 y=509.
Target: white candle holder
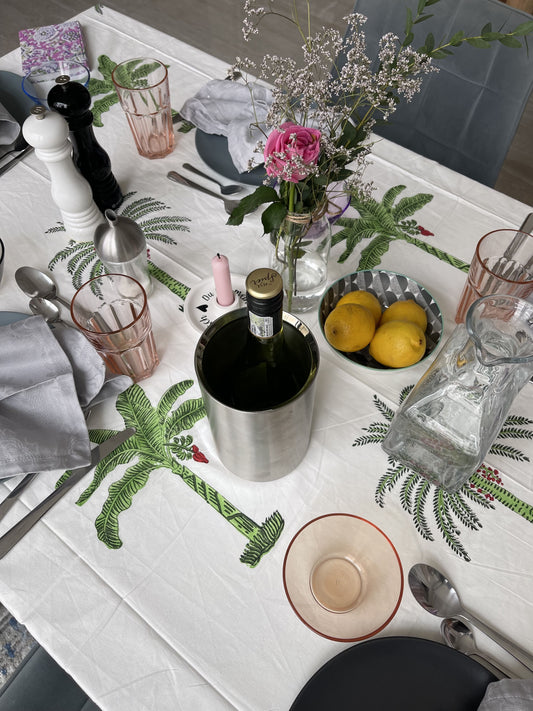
x=202 y=307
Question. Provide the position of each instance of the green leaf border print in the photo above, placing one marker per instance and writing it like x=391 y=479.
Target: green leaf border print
x=162 y=441
x=419 y=498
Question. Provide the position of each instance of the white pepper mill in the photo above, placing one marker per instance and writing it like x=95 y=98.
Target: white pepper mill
x=47 y=132
x=121 y=245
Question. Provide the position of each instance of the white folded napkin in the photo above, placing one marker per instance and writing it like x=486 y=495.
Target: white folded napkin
x=508 y=695
x=9 y=127
x=46 y=378
x=225 y=108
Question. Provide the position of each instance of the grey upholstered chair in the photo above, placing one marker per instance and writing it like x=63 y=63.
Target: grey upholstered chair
x=466 y=115
x=39 y=684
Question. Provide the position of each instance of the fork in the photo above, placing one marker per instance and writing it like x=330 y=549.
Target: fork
x=229 y=205
x=231 y=189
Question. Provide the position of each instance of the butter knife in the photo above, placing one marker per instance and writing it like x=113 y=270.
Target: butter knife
x=13 y=161
x=19 y=530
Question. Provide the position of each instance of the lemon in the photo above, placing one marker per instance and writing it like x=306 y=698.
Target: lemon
x=349 y=327
x=363 y=298
x=398 y=344
x=405 y=310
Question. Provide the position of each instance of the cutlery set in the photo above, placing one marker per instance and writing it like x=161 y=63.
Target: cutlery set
x=224 y=189
x=19 y=530
x=436 y=594
x=43 y=292
x=229 y=205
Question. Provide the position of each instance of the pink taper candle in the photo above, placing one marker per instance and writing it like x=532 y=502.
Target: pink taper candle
x=224 y=291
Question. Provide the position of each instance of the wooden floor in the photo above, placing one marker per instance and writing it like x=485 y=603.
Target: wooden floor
x=215 y=26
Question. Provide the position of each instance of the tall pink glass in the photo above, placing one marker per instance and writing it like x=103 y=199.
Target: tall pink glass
x=502 y=264
x=142 y=88
x=112 y=313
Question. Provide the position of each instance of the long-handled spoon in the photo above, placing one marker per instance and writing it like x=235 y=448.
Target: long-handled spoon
x=437 y=595
x=229 y=205
x=45 y=308
x=231 y=189
x=459 y=636
x=34 y=282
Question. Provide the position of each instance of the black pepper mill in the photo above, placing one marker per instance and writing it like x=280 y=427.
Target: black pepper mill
x=72 y=100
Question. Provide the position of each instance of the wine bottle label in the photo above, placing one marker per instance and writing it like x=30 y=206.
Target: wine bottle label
x=261 y=326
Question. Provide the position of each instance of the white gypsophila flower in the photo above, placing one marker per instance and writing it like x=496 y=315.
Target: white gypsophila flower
x=333 y=85
x=252 y=16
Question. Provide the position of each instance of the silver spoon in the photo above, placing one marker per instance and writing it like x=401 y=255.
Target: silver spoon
x=224 y=189
x=34 y=282
x=437 y=595
x=229 y=205
x=45 y=308
x=459 y=636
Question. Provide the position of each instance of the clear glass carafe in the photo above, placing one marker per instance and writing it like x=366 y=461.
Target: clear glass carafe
x=446 y=426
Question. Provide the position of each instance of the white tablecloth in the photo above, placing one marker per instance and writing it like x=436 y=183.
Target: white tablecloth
x=172 y=619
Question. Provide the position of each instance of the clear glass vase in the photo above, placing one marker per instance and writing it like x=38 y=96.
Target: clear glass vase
x=300 y=254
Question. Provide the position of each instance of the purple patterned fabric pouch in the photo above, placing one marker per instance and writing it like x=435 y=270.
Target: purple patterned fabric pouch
x=53 y=42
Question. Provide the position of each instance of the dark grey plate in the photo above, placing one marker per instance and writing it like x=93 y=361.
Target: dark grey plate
x=7 y=317
x=213 y=150
x=396 y=674
x=13 y=98
x=387 y=287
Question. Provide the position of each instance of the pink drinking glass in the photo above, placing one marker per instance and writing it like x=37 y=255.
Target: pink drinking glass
x=112 y=313
x=142 y=88
x=502 y=264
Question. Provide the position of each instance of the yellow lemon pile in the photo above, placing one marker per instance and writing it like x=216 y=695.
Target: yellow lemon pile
x=395 y=337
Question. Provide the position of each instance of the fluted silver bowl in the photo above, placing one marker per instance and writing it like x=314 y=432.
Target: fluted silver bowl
x=387 y=287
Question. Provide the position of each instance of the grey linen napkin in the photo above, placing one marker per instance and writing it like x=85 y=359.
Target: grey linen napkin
x=9 y=127
x=46 y=378
x=226 y=109
x=508 y=695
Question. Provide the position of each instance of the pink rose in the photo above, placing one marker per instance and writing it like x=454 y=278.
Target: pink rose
x=291 y=151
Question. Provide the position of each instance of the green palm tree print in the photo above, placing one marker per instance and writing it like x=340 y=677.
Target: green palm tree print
x=161 y=442
x=382 y=223
x=450 y=511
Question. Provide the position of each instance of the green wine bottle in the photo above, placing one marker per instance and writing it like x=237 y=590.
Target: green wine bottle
x=259 y=362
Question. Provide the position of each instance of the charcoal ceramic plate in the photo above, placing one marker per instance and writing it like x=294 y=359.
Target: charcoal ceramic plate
x=396 y=673
x=387 y=287
x=213 y=150
x=7 y=317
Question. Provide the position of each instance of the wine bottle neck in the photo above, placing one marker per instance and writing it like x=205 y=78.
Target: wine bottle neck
x=265 y=326
x=264 y=297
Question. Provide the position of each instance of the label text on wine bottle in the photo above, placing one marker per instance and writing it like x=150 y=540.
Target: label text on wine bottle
x=261 y=326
